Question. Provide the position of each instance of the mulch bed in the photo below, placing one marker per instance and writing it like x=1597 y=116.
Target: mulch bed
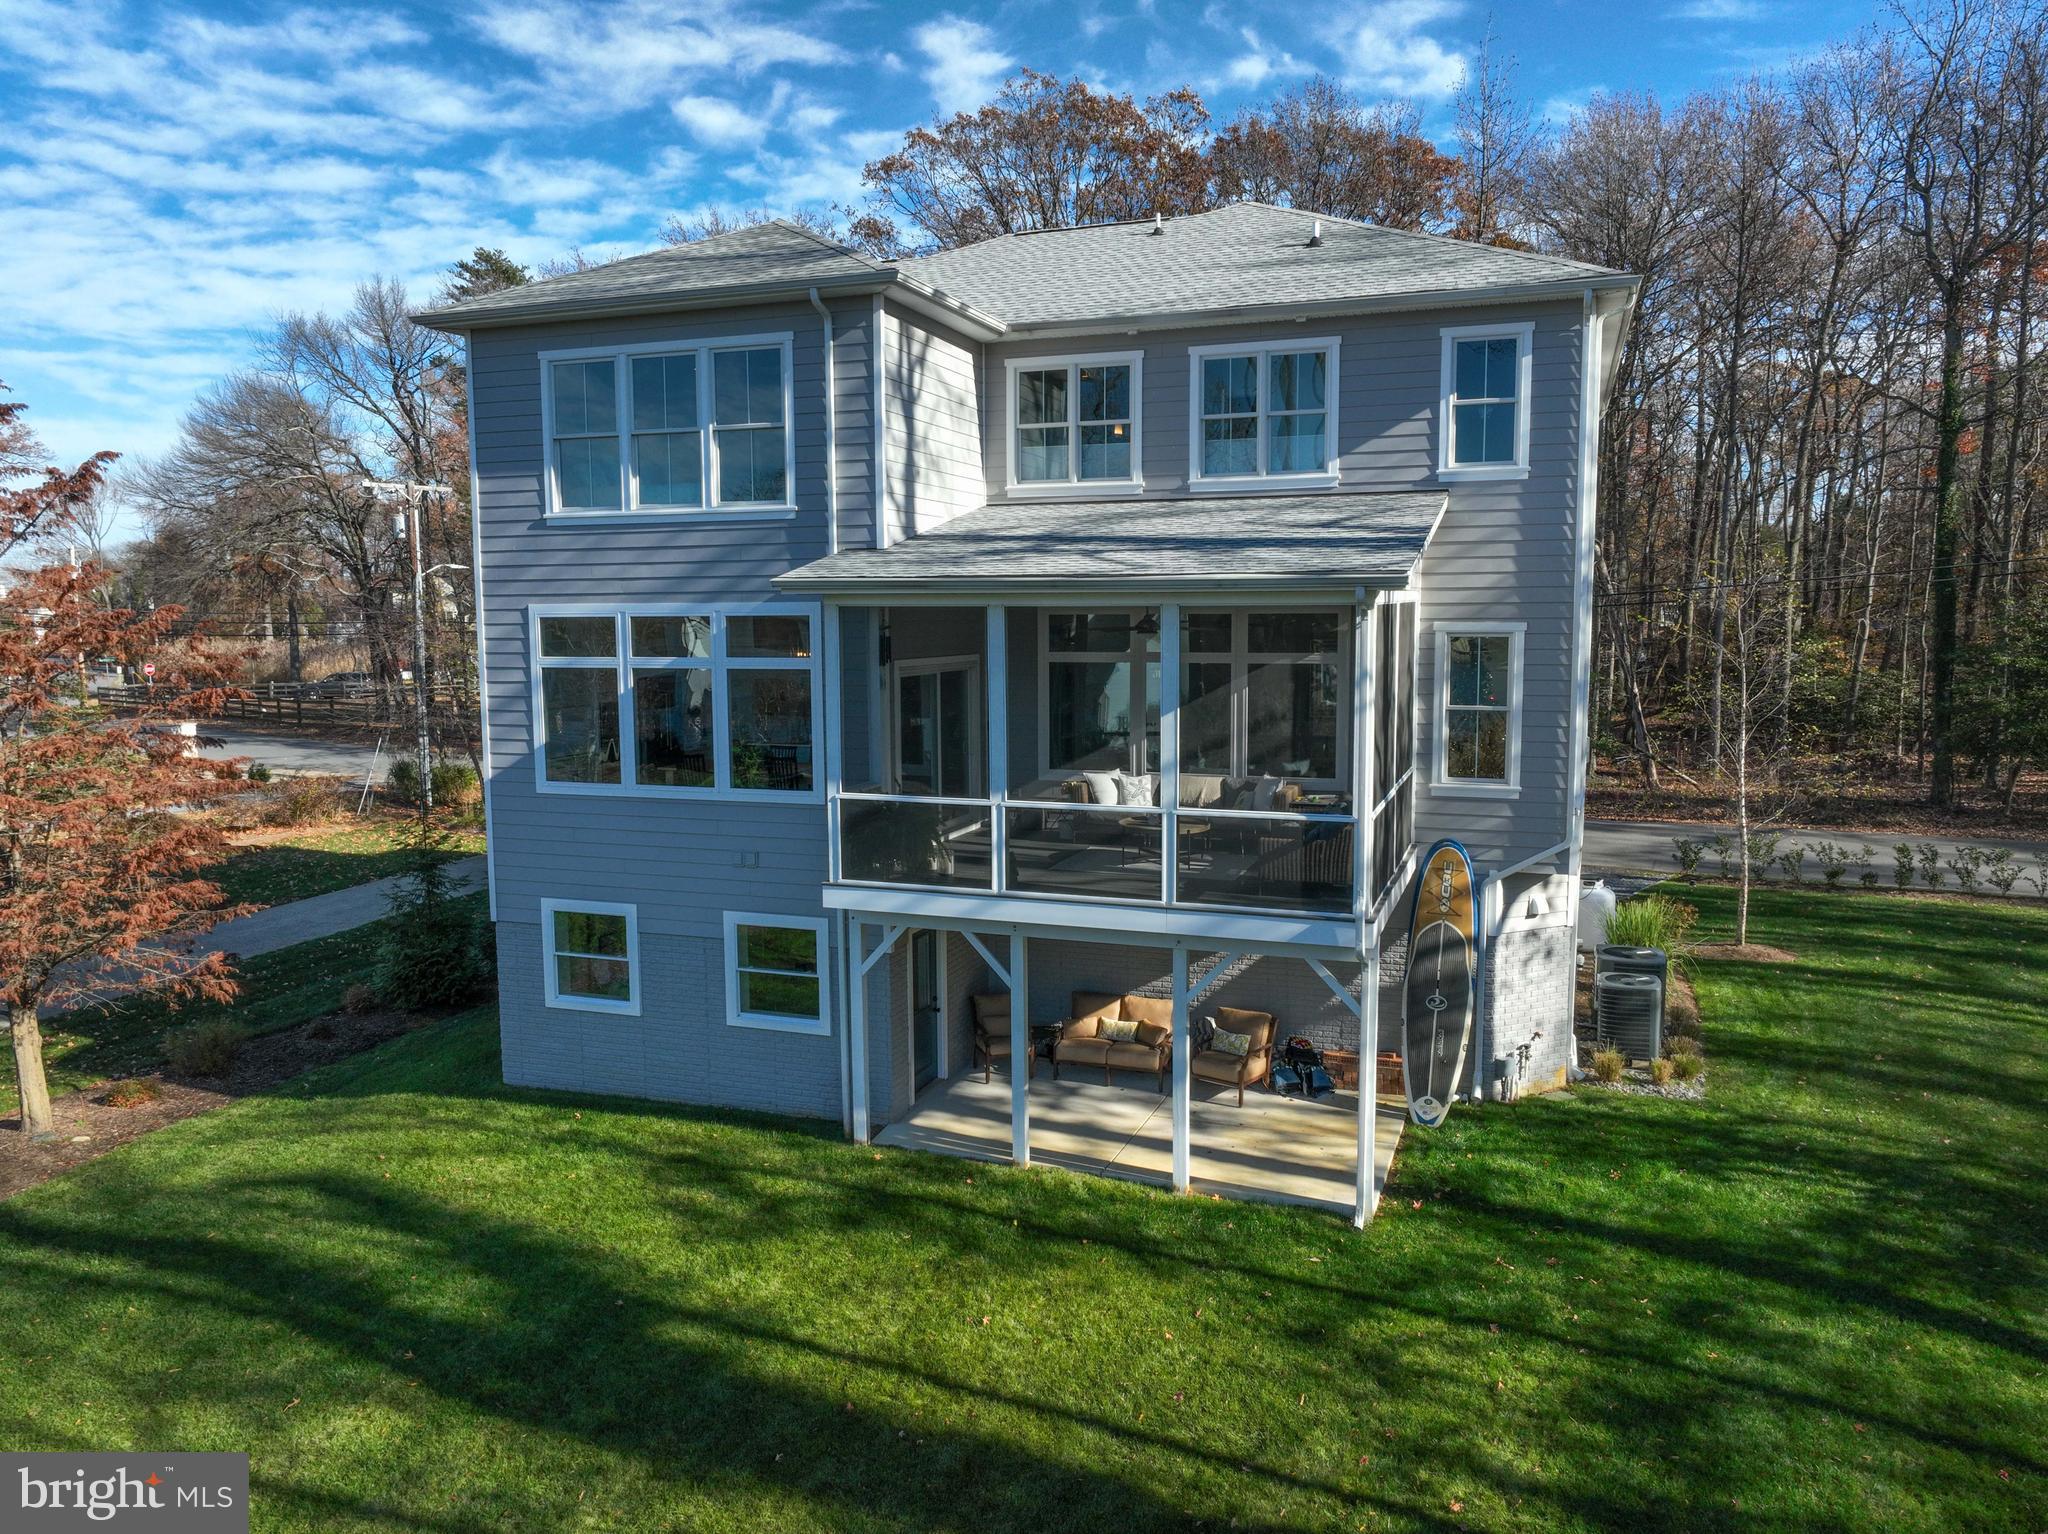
x=1681 y=1021
x=88 y=1126
x=1754 y=953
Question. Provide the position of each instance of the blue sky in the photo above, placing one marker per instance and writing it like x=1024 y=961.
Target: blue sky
x=176 y=176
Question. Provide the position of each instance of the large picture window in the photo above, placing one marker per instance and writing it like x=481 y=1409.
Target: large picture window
x=1101 y=692
x=1479 y=708
x=712 y=702
x=775 y=973
x=1484 y=422
x=1075 y=421
x=1262 y=696
x=689 y=427
x=592 y=953
x=1264 y=412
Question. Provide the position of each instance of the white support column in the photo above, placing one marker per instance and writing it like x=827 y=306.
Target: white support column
x=1365 y=788
x=1020 y=1048
x=1181 y=1071
x=1368 y=1091
x=857 y=1027
x=998 y=693
x=1169 y=749
x=835 y=766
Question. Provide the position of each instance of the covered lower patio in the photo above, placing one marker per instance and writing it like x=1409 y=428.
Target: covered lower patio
x=1276 y=1149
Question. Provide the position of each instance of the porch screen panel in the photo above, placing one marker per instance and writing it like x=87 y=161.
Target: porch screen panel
x=1393 y=826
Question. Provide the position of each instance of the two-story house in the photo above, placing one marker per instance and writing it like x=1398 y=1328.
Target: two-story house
x=887 y=662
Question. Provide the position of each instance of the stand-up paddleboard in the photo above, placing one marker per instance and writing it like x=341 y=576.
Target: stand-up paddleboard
x=1437 y=1010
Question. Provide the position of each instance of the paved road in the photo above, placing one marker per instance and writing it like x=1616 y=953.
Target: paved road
x=294 y=753
x=1627 y=846
x=300 y=921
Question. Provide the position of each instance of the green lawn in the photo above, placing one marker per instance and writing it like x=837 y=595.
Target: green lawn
x=322 y=859
x=278 y=990
x=425 y=1302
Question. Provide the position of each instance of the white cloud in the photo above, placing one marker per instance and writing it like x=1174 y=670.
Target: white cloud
x=1258 y=63
x=1386 y=48
x=714 y=120
x=1717 y=10
x=635 y=52
x=1560 y=109
x=965 y=65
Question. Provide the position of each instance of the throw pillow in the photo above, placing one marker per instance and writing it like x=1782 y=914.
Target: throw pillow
x=1228 y=1043
x=1119 y=1031
x=1102 y=787
x=1135 y=788
x=1263 y=792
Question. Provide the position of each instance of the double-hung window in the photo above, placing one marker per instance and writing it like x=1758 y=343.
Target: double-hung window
x=1264 y=412
x=1479 y=708
x=1075 y=421
x=592 y=953
x=775 y=973
x=687 y=427
x=686 y=700
x=1483 y=427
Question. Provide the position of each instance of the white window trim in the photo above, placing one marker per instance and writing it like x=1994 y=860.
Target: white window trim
x=555 y=998
x=1524 y=334
x=1440 y=780
x=775 y=1022
x=1131 y=485
x=629 y=509
x=621 y=663
x=1200 y=483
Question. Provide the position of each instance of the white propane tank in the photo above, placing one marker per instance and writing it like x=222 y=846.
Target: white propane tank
x=1596 y=904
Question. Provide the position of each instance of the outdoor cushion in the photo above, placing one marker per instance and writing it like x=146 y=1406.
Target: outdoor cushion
x=1094 y=1004
x=1082 y=1051
x=1139 y=788
x=1081 y=1028
x=1257 y=1025
x=1119 y=1030
x=1136 y=1057
x=1152 y=1035
x=1200 y=790
x=1224 y=1042
x=1149 y=1009
x=992 y=1013
x=1102 y=787
x=1211 y=1066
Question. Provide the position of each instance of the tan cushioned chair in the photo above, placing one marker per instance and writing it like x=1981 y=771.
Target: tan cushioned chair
x=1081 y=1041
x=992 y=1033
x=1234 y=1070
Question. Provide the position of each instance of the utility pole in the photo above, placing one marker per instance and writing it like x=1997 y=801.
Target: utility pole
x=417 y=491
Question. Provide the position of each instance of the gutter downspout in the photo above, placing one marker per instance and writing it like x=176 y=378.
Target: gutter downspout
x=878 y=359
x=831 y=424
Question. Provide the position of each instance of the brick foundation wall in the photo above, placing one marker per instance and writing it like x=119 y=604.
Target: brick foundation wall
x=1529 y=979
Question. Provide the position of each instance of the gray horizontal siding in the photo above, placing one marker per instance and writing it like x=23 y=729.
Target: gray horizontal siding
x=933 y=459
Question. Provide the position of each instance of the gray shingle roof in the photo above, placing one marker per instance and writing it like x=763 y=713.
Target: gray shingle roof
x=1247 y=255
x=775 y=254
x=1244 y=257
x=1368 y=539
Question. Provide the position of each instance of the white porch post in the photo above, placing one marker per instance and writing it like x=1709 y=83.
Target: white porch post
x=1181 y=1070
x=857 y=1027
x=1020 y=1048
x=1368 y=1090
x=1169 y=749
x=998 y=693
x=835 y=768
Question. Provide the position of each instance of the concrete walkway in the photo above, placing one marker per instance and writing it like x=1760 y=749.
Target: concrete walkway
x=284 y=752
x=1628 y=846
x=301 y=921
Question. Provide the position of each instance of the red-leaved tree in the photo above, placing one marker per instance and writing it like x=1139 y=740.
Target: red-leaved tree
x=101 y=854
